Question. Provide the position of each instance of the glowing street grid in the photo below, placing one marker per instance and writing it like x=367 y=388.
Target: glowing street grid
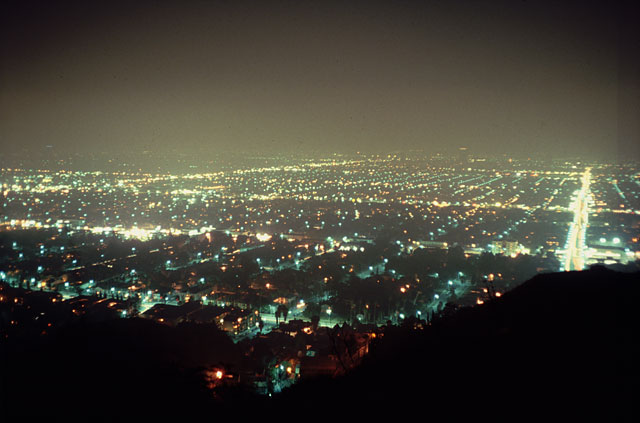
x=167 y=238
x=544 y=207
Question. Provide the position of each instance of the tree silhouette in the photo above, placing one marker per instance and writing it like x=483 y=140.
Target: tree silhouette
x=315 y=321
x=283 y=311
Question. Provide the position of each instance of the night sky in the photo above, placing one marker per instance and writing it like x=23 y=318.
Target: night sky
x=500 y=77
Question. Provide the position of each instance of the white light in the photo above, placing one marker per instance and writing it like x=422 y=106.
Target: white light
x=263 y=237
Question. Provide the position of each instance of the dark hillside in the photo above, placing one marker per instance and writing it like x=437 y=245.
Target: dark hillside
x=558 y=347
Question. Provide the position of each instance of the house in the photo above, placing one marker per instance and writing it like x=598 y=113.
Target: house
x=170 y=314
x=98 y=309
x=208 y=314
x=236 y=321
x=232 y=320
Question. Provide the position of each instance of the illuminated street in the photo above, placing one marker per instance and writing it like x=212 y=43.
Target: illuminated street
x=575 y=248
x=250 y=211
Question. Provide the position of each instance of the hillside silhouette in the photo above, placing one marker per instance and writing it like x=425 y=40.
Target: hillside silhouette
x=557 y=348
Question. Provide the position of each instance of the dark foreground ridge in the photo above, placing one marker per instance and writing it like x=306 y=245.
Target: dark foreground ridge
x=557 y=348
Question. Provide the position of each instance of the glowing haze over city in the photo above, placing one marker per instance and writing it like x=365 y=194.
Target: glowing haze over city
x=275 y=192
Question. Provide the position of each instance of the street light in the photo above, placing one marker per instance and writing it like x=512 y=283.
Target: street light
x=329 y=311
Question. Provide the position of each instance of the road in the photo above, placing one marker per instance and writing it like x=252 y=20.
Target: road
x=574 y=256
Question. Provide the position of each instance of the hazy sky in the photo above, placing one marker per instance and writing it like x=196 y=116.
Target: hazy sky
x=496 y=76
